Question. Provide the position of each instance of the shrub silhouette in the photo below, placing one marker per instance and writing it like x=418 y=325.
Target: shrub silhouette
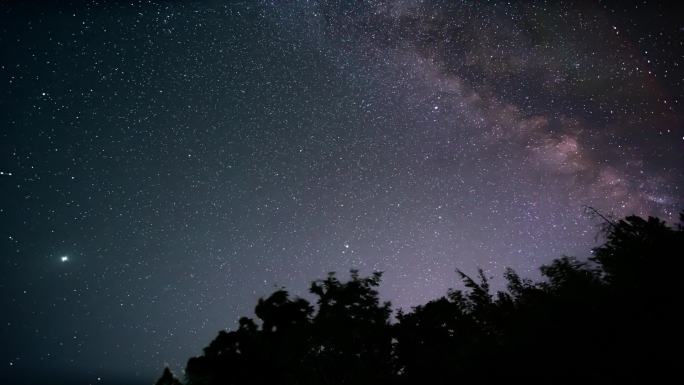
x=613 y=318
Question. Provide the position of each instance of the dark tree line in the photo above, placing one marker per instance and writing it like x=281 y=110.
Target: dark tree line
x=612 y=319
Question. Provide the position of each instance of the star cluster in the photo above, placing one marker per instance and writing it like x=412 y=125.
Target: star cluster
x=165 y=164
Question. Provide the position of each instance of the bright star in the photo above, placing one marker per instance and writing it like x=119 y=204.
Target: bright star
x=64 y=258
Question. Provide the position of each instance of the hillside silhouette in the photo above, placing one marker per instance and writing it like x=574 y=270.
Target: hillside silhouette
x=612 y=319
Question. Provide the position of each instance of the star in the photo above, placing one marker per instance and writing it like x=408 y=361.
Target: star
x=64 y=258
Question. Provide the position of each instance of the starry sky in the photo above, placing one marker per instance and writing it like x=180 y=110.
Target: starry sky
x=165 y=164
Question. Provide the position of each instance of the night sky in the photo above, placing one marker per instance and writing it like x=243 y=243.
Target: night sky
x=165 y=164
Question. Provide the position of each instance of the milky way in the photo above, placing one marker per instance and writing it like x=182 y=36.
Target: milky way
x=163 y=165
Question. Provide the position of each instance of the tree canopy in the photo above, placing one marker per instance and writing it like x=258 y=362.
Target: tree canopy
x=612 y=318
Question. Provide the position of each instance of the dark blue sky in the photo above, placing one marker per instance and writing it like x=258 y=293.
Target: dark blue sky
x=165 y=164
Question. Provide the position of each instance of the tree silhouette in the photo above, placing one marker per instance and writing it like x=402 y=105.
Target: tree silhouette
x=351 y=334
x=167 y=378
x=613 y=318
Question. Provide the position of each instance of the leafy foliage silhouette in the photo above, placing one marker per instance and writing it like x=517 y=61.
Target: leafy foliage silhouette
x=613 y=318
